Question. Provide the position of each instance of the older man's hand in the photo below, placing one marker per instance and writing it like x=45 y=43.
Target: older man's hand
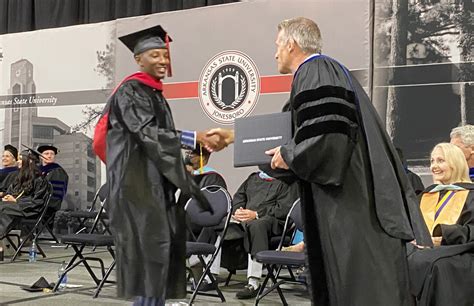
x=217 y=139
x=277 y=159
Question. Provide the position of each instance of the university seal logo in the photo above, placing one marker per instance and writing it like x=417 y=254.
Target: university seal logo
x=229 y=87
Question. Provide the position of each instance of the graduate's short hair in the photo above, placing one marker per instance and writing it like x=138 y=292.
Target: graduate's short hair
x=465 y=132
x=304 y=32
x=456 y=160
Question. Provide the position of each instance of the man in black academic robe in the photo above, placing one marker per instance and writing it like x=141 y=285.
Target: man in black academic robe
x=144 y=170
x=359 y=210
x=55 y=174
x=259 y=207
x=10 y=168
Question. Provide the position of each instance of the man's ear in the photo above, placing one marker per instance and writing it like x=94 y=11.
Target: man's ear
x=290 y=45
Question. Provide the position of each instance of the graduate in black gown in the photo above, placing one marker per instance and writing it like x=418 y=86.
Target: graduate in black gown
x=10 y=168
x=359 y=208
x=55 y=174
x=144 y=169
x=26 y=196
x=444 y=275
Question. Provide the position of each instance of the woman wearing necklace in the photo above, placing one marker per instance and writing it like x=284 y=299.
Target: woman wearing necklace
x=26 y=196
x=444 y=275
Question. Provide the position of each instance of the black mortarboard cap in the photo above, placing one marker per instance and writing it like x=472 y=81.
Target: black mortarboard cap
x=31 y=151
x=39 y=285
x=12 y=150
x=43 y=148
x=143 y=40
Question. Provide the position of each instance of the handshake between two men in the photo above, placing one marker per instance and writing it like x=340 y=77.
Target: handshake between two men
x=217 y=139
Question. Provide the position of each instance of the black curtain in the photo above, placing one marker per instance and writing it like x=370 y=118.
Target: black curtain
x=29 y=15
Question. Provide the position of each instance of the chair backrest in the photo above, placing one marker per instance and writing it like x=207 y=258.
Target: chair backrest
x=220 y=201
x=100 y=195
x=295 y=215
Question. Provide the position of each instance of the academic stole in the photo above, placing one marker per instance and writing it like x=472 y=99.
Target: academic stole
x=444 y=211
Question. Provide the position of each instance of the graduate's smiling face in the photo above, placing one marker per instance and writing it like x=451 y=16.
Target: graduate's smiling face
x=440 y=168
x=154 y=62
x=282 y=54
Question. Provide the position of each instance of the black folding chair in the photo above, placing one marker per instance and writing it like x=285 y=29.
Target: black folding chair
x=82 y=240
x=34 y=226
x=273 y=261
x=221 y=203
x=90 y=214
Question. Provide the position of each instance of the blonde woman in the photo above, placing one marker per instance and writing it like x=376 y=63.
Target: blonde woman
x=444 y=275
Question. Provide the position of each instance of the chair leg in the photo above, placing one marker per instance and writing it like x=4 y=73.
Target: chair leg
x=211 y=277
x=262 y=288
x=86 y=265
x=104 y=279
x=231 y=272
x=277 y=285
x=18 y=250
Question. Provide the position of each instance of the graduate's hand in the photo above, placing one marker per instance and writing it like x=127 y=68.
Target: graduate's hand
x=277 y=159
x=436 y=240
x=9 y=198
x=244 y=215
x=226 y=137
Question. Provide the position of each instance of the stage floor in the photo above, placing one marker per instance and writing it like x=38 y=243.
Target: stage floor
x=22 y=273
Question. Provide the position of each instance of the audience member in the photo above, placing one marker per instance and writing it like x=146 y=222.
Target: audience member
x=26 y=196
x=197 y=163
x=260 y=207
x=55 y=174
x=444 y=275
x=463 y=137
x=10 y=168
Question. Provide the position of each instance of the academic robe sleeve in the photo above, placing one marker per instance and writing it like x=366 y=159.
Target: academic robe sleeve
x=35 y=200
x=325 y=124
x=135 y=111
x=240 y=197
x=287 y=195
x=463 y=231
x=59 y=179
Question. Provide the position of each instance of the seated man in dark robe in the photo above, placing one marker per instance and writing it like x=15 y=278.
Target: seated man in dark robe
x=26 y=196
x=259 y=208
x=444 y=275
x=55 y=174
x=10 y=168
x=463 y=137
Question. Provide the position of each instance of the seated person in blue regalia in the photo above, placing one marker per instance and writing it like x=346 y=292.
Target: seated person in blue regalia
x=55 y=174
x=10 y=168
